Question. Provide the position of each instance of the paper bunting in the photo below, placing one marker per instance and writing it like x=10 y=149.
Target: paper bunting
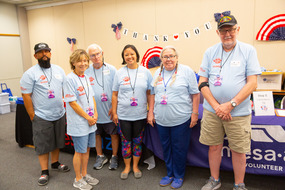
x=166 y=37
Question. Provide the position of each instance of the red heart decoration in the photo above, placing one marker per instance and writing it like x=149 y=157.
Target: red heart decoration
x=176 y=36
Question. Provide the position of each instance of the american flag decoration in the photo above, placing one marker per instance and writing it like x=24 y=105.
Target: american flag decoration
x=116 y=29
x=151 y=57
x=272 y=29
x=72 y=42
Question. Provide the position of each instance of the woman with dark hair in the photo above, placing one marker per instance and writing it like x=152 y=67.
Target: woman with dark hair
x=131 y=93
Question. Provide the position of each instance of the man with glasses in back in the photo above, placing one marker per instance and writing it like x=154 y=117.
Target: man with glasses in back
x=228 y=75
x=101 y=76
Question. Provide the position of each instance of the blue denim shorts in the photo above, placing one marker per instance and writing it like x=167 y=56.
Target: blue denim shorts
x=83 y=142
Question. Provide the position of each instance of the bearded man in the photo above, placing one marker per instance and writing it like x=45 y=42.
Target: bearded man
x=42 y=91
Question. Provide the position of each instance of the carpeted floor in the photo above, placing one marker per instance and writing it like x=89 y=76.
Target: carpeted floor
x=20 y=169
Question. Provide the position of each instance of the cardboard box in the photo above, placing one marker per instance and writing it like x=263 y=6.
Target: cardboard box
x=5 y=108
x=269 y=81
x=4 y=98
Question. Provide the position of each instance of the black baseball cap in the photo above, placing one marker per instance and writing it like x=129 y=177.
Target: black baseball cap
x=227 y=21
x=41 y=46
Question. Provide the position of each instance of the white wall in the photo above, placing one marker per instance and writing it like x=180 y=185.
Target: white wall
x=90 y=22
x=10 y=49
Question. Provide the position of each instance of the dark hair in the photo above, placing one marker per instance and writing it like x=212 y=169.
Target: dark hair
x=133 y=48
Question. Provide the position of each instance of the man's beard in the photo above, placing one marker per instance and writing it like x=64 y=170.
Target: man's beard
x=44 y=63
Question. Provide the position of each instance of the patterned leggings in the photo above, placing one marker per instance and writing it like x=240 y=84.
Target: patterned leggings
x=131 y=133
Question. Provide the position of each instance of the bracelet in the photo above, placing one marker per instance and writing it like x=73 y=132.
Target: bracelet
x=195 y=113
x=203 y=84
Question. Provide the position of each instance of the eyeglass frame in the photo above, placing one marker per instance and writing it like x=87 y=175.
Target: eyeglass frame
x=231 y=31
x=169 y=57
x=95 y=55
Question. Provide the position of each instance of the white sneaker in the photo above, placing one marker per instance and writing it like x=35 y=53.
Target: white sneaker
x=81 y=184
x=90 y=180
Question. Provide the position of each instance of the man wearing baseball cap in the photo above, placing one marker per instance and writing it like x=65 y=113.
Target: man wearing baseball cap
x=41 y=87
x=228 y=76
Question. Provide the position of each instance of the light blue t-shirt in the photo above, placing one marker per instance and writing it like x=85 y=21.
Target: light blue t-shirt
x=78 y=89
x=96 y=76
x=179 y=101
x=241 y=63
x=122 y=84
x=40 y=82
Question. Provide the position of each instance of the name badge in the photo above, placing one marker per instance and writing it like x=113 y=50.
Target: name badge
x=140 y=75
x=106 y=72
x=57 y=76
x=235 y=63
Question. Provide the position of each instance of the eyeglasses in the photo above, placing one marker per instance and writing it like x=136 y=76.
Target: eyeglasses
x=231 y=31
x=169 y=57
x=95 y=55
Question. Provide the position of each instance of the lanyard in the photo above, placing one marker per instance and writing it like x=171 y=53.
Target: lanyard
x=133 y=88
x=47 y=77
x=222 y=64
x=102 y=86
x=167 y=80
x=87 y=94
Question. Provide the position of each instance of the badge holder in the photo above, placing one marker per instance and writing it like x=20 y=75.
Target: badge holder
x=134 y=101
x=163 y=99
x=51 y=94
x=104 y=97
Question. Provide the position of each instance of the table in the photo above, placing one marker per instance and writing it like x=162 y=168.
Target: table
x=23 y=127
x=24 y=133
x=267 y=156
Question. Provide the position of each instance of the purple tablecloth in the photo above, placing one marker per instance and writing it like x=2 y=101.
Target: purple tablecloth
x=267 y=154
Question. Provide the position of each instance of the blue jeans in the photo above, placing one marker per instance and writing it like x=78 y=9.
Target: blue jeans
x=175 y=142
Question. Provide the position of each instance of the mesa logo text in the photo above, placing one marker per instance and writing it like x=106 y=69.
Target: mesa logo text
x=267 y=149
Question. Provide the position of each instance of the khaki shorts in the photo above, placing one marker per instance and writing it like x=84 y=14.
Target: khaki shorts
x=238 y=131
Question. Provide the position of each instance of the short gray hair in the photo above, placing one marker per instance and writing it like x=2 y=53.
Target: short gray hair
x=94 y=46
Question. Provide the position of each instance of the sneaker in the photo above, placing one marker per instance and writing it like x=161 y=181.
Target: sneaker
x=90 y=180
x=61 y=168
x=211 y=184
x=177 y=183
x=240 y=186
x=81 y=184
x=43 y=180
x=166 y=181
x=100 y=161
x=113 y=163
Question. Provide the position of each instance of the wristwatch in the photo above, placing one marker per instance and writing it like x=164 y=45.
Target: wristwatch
x=234 y=104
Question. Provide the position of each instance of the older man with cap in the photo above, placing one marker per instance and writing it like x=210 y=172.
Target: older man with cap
x=228 y=76
x=101 y=76
x=41 y=87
